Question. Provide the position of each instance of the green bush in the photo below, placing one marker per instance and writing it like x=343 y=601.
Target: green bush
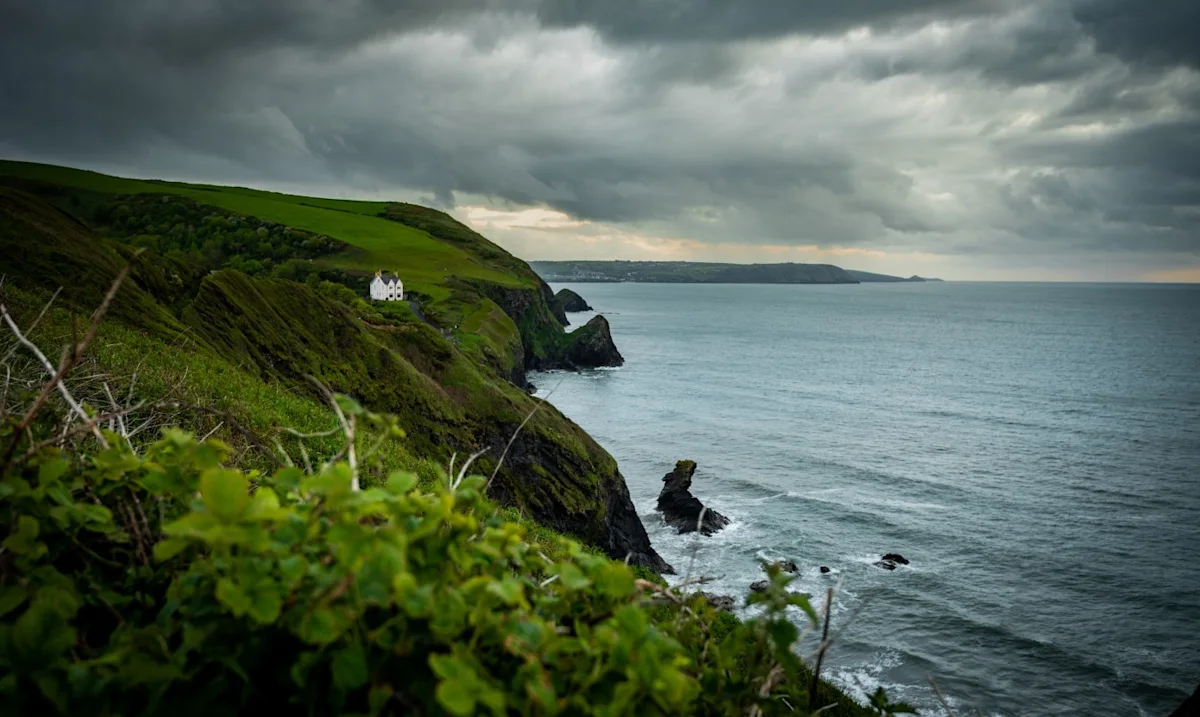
x=165 y=582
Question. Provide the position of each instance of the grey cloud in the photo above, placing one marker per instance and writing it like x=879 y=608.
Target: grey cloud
x=690 y=20
x=1158 y=32
x=751 y=122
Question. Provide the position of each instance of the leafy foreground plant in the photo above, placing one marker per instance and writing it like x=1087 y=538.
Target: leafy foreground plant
x=165 y=582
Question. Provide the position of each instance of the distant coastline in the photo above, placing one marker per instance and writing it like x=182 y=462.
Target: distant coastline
x=692 y=272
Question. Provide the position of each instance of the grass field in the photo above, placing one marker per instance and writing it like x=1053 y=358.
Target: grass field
x=423 y=261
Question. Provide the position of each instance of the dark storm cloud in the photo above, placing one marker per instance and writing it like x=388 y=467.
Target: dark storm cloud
x=932 y=125
x=666 y=20
x=1160 y=31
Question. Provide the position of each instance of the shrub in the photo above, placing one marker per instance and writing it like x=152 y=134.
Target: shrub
x=167 y=582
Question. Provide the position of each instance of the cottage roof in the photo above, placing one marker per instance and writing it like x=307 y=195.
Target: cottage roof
x=387 y=277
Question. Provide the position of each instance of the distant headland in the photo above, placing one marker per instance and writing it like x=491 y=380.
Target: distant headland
x=693 y=272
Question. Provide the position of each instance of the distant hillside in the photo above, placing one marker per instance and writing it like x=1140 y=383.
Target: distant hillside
x=869 y=277
x=688 y=272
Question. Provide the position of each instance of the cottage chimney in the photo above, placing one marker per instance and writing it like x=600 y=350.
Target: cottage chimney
x=378 y=272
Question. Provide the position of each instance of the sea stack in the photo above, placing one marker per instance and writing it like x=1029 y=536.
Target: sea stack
x=681 y=509
x=592 y=345
x=571 y=302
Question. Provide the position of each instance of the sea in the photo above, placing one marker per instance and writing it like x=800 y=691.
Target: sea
x=1032 y=449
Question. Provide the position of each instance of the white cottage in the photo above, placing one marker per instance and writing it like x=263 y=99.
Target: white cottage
x=386 y=287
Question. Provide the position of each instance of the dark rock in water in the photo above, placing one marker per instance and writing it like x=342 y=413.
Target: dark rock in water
x=724 y=603
x=886 y=565
x=530 y=388
x=896 y=558
x=571 y=302
x=824 y=569
x=759 y=586
x=787 y=566
x=591 y=345
x=680 y=508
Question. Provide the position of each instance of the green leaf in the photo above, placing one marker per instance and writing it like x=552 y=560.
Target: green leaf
x=800 y=600
x=266 y=606
x=401 y=482
x=349 y=406
x=225 y=492
x=292 y=569
x=571 y=577
x=459 y=684
x=454 y=699
x=233 y=597
x=50 y=471
x=783 y=633
x=349 y=667
x=40 y=636
x=289 y=478
x=11 y=597
x=450 y=667
x=319 y=627
x=510 y=590
x=25 y=538
x=166 y=549
x=264 y=505
x=333 y=480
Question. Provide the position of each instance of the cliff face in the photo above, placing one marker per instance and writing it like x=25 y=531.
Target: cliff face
x=284 y=331
x=546 y=345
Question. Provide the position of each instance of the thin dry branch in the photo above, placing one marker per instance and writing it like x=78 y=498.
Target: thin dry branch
x=513 y=437
x=816 y=678
x=82 y=428
x=34 y=324
x=70 y=358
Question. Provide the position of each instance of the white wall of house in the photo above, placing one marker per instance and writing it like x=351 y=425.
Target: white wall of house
x=391 y=289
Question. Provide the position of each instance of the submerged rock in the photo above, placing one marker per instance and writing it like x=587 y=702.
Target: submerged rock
x=759 y=586
x=824 y=569
x=591 y=345
x=571 y=302
x=681 y=509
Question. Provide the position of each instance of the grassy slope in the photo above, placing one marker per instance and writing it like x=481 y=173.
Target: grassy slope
x=424 y=262
x=280 y=332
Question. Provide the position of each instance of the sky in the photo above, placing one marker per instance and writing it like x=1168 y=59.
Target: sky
x=967 y=139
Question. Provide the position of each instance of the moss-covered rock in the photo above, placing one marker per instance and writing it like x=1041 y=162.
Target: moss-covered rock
x=571 y=302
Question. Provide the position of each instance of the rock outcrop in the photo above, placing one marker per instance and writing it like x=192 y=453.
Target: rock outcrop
x=787 y=566
x=591 y=346
x=891 y=560
x=760 y=586
x=571 y=302
x=724 y=603
x=680 y=508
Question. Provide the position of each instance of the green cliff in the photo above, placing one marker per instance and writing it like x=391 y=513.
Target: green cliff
x=268 y=290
